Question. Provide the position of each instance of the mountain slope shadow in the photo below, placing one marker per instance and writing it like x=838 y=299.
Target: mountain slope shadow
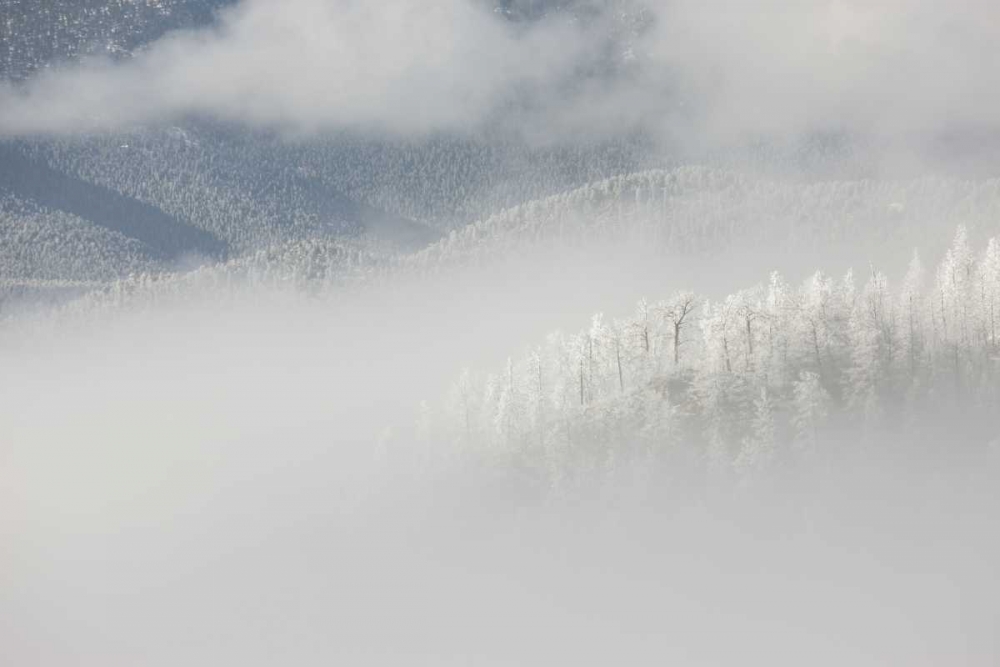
x=165 y=237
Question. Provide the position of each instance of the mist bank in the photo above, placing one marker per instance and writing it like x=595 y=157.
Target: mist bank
x=677 y=68
x=246 y=475
x=876 y=574
x=590 y=428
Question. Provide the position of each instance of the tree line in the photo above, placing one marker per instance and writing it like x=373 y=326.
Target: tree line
x=747 y=385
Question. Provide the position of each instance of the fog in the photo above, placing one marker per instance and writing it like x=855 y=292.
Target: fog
x=307 y=65
x=443 y=457
x=240 y=481
x=692 y=71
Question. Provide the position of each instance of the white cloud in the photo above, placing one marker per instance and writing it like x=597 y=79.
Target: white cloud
x=308 y=65
x=704 y=68
x=780 y=66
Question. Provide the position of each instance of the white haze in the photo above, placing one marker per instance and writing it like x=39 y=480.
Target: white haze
x=710 y=69
x=237 y=482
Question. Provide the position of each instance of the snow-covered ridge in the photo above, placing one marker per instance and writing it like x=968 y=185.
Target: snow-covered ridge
x=696 y=209
x=684 y=211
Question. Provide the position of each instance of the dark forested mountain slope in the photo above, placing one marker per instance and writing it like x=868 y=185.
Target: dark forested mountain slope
x=39 y=34
x=153 y=196
x=209 y=191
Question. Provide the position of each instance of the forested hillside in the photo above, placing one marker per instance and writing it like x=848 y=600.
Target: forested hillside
x=686 y=212
x=40 y=34
x=499 y=332
x=704 y=209
x=771 y=381
x=154 y=198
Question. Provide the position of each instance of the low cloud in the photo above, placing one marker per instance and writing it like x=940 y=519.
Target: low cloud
x=709 y=69
x=309 y=65
x=233 y=481
x=780 y=67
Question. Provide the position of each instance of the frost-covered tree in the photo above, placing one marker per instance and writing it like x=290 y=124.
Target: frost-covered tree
x=910 y=309
x=954 y=286
x=871 y=335
x=511 y=418
x=778 y=331
x=677 y=312
x=749 y=308
x=758 y=447
x=810 y=409
x=776 y=370
x=989 y=292
x=816 y=321
x=720 y=327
